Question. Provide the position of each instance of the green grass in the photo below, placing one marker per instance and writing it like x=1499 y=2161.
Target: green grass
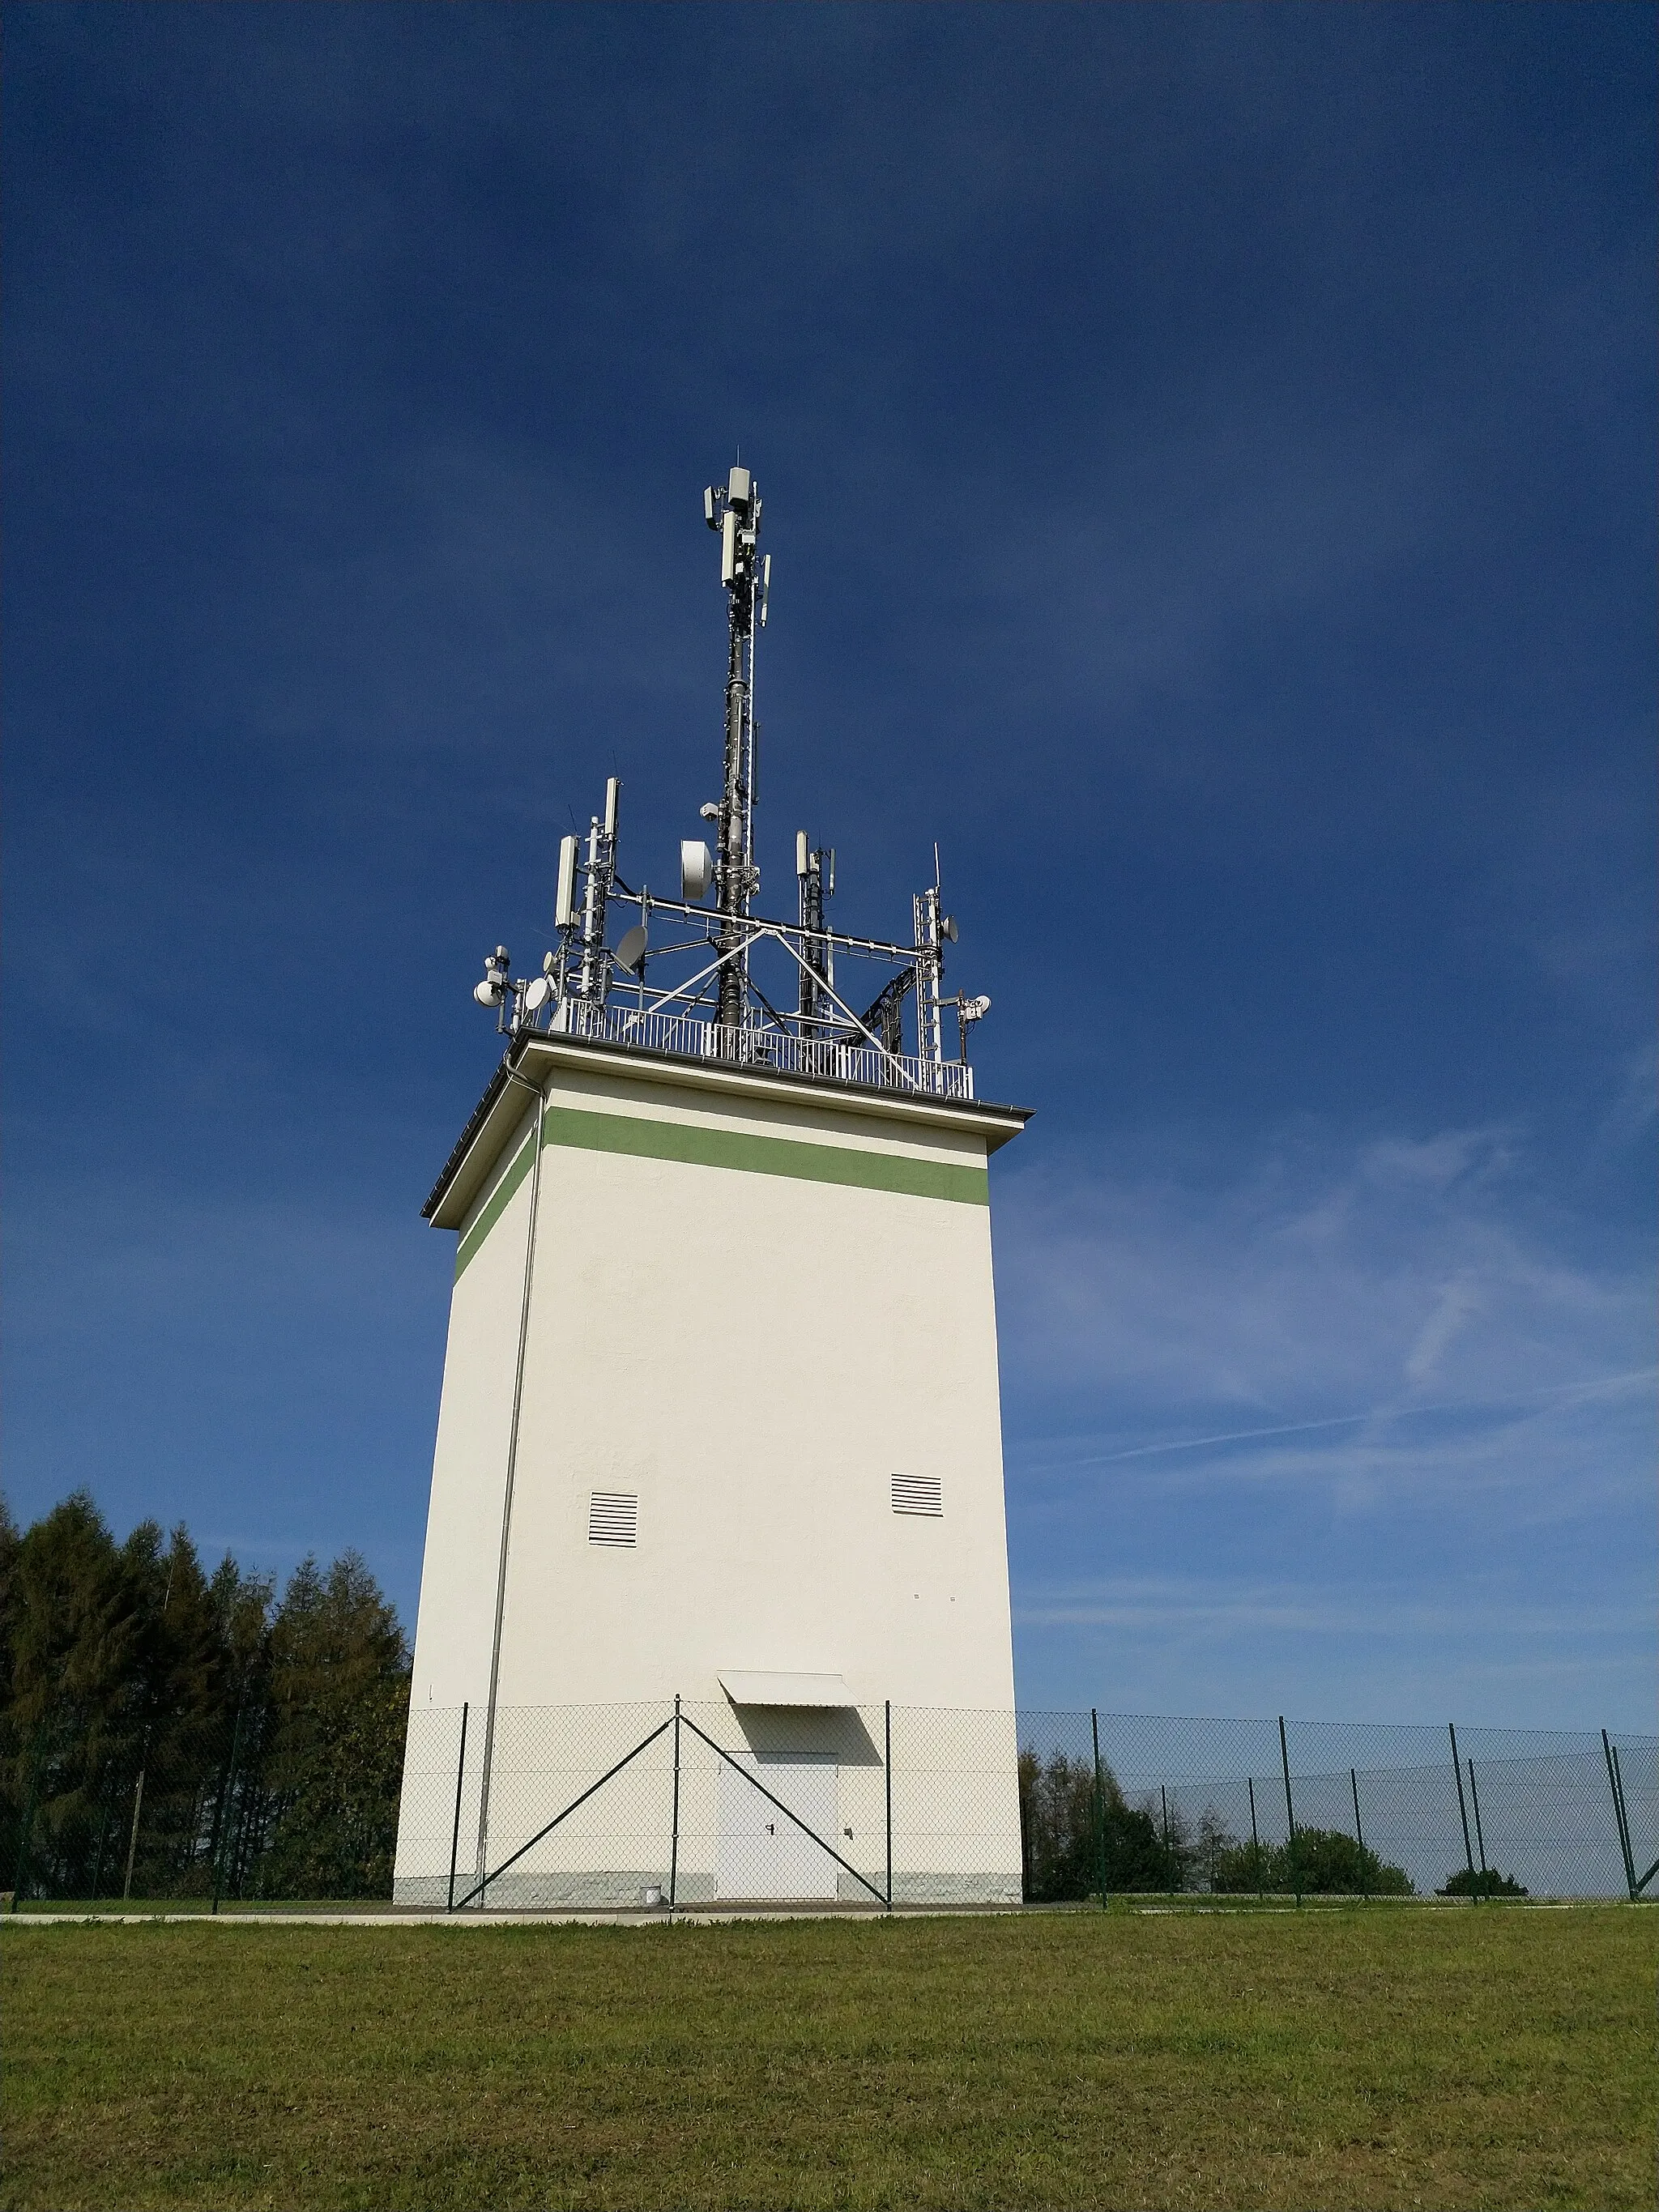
x=1345 y=2058
x=161 y=1908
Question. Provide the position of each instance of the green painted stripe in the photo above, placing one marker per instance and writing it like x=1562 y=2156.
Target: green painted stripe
x=697 y=1147
x=499 y=1199
x=779 y=1156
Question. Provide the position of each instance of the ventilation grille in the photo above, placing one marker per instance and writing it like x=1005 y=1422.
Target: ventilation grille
x=613 y=1517
x=918 y=1494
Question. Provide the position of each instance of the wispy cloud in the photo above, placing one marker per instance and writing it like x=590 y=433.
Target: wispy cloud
x=1310 y=1281
x=1366 y=1425
x=1641 y=1379
x=1219 y=1607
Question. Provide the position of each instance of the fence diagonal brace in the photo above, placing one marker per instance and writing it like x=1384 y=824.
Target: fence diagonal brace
x=739 y=1768
x=1647 y=1877
x=1616 y=1782
x=478 y=1887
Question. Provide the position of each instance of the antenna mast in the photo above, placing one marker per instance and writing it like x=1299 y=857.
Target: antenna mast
x=734 y=510
x=590 y=990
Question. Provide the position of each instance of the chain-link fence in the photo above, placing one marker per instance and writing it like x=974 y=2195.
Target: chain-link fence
x=620 y=1805
x=690 y=1804
x=694 y=1804
x=1235 y=1808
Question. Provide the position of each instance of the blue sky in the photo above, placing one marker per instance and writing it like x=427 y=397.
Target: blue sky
x=1209 y=457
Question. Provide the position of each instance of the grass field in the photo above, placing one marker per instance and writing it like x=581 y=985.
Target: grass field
x=1495 y=2056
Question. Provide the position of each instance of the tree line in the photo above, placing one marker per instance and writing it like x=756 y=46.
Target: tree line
x=1075 y=1833
x=166 y=1731
x=170 y=1731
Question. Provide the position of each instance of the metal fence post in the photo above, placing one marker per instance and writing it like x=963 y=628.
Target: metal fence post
x=674 y=1820
x=1620 y=1819
x=1100 y=1808
x=21 y=1871
x=887 y=1776
x=1169 y=1857
x=455 y=1832
x=1463 y=1813
x=1290 y=1813
x=103 y=1838
x=137 y=1808
x=1359 y=1834
x=223 y=1822
x=1480 y=1837
x=1638 y=1881
x=1255 y=1841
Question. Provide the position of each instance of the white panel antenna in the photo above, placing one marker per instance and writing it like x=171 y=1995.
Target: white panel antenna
x=564 y=911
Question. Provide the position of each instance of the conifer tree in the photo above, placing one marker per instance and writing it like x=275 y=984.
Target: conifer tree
x=172 y=1732
x=339 y=1700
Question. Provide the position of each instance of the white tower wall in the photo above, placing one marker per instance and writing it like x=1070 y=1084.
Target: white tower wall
x=751 y=1303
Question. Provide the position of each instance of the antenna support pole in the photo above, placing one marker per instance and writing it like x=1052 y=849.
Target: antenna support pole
x=815 y=880
x=934 y=925
x=734 y=511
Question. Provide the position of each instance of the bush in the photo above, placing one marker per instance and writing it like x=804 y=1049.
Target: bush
x=1466 y=1883
x=1060 y=1853
x=1323 y=1862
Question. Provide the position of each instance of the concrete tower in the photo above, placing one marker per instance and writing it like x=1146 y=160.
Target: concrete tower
x=719 y=1420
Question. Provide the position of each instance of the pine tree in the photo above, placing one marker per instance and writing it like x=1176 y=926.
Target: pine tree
x=182 y=1732
x=75 y=1636
x=339 y=1707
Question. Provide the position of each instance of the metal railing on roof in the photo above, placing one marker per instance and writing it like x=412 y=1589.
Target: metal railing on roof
x=819 y=1059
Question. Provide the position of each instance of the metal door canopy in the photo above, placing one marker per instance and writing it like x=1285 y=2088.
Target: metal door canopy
x=747 y=1688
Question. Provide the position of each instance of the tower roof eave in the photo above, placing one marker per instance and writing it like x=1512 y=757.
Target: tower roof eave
x=498 y=1114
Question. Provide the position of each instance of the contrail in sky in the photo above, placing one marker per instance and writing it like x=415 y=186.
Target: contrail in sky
x=1348 y=1421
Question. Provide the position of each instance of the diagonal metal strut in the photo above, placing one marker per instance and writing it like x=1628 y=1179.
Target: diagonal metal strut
x=479 y=1888
x=687 y=1722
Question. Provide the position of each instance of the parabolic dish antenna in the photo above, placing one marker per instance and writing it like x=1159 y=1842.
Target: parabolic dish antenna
x=630 y=953
x=696 y=870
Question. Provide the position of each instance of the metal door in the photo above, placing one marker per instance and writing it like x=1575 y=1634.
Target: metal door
x=763 y=1854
